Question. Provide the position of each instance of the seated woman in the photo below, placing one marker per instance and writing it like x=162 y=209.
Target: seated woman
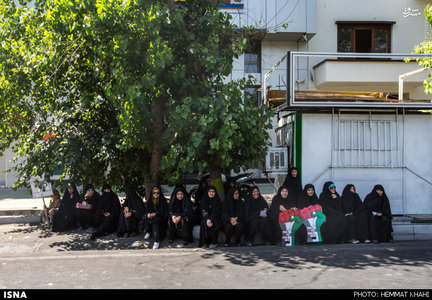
x=233 y=212
x=107 y=213
x=156 y=216
x=256 y=217
x=131 y=214
x=355 y=211
x=335 y=228
x=85 y=207
x=283 y=203
x=65 y=218
x=379 y=215
x=210 y=218
x=180 y=216
x=48 y=212
x=311 y=213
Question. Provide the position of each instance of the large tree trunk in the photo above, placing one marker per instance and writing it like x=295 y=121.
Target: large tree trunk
x=152 y=178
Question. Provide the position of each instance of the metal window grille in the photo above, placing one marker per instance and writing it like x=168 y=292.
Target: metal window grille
x=366 y=143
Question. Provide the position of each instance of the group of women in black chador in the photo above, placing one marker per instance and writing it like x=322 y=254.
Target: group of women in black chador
x=347 y=218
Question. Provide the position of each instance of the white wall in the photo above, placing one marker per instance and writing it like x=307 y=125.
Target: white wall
x=408 y=186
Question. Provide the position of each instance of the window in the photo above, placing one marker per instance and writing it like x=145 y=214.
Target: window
x=364 y=37
x=367 y=143
x=252 y=94
x=252 y=58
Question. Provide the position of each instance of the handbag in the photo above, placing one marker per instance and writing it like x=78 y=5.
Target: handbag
x=84 y=206
x=181 y=224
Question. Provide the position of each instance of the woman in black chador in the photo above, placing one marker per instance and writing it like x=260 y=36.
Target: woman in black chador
x=233 y=213
x=180 y=216
x=107 y=212
x=355 y=211
x=65 y=218
x=293 y=183
x=131 y=214
x=211 y=208
x=256 y=216
x=281 y=202
x=155 y=219
x=86 y=207
x=307 y=197
x=334 y=230
x=379 y=215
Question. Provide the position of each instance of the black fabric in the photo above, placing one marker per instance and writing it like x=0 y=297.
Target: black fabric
x=293 y=184
x=86 y=217
x=135 y=205
x=183 y=209
x=157 y=225
x=275 y=209
x=211 y=209
x=107 y=212
x=254 y=222
x=304 y=200
x=380 y=227
x=353 y=205
x=232 y=208
x=65 y=218
x=335 y=228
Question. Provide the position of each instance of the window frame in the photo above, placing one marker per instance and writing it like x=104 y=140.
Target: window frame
x=373 y=26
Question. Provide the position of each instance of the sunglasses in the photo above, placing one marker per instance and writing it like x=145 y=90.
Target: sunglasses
x=155 y=193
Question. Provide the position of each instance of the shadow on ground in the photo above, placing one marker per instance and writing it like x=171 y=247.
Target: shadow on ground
x=347 y=256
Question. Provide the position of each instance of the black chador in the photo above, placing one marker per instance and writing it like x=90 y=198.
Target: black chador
x=131 y=214
x=257 y=218
x=355 y=212
x=334 y=230
x=211 y=208
x=86 y=207
x=107 y=212
x=281 y=202
x=180 y=216
x=293 y=183
x=65 y=218
x=379 y=215
x=155 y=220
x=233 y=216
x=306 y=200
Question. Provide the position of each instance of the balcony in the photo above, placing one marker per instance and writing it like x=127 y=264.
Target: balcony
x=280 y=20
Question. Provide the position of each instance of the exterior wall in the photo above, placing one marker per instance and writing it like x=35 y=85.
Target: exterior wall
x=408 y=184
x=408 y=31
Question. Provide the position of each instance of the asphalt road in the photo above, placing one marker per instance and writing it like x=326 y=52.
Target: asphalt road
x=33 y=257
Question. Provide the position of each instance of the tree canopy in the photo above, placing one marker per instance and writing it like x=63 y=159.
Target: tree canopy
x=128 y=92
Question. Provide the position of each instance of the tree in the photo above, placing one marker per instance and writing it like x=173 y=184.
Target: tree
x=107 y=80
x=426 y=48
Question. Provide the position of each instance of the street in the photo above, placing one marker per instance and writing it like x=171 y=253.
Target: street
x=33 y=257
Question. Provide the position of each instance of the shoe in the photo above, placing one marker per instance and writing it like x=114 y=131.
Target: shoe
x=213 y=245
x=367 y=241
x=354 y=241
x=249 y=244
x=147 y=236
x=156 y=245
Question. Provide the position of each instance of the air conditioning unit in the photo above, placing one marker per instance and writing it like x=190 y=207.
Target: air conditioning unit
x=277 y=160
